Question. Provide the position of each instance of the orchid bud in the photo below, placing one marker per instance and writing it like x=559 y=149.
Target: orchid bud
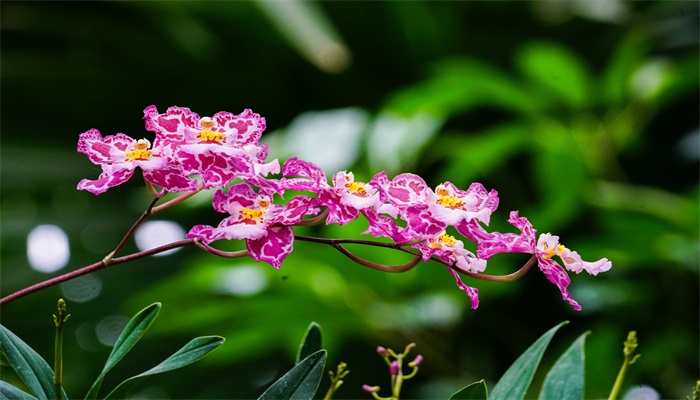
x=394 y=368
x=382 y=352
x=370 y=389
x=416 y=362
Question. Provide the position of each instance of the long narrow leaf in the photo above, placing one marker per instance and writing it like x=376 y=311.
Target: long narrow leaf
x=8 y=392
x=311 y=342
x=566 y=378
x=131 y=334
x=301 y=382
x=31 y=368
x=194 y=350
x=514 y=383
x=475 y=391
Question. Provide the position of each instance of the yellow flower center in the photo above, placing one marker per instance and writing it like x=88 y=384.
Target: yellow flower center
x=446 y=199
x=249 y=214
x=444 y=240
x=140 y=151
x=254 y=215
x=549 y=253
x=450 y=202
x=207 y=135
x=357 y=188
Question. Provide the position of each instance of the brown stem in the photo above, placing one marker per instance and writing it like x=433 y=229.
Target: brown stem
x=110 y=257
x=176 y=200
x=498 y=278
x=374 y=265
x=315 y=220
x=92 y=268
x=220 y=253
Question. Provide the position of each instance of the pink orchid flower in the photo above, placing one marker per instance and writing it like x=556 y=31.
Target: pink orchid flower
x=264 y=226
x=344 y=200
x=218 y=148
x=452 y=251
x=430 y=212
x=119 y=155
x=544 y=248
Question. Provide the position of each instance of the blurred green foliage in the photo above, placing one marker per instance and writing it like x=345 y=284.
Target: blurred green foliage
x=584 y=118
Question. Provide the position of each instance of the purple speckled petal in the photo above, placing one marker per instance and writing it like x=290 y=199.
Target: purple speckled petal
x=111 y=176
x=473 y=293
x=407 y=190
x=170 y=178
x=497 y=242
x=295 y=210
x=557 y=275
x=312 y=177
x=246 y=126
x=422 y=222
x=274 y=247
x=173 y=125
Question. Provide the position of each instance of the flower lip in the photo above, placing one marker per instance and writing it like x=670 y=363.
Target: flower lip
x=138 y=150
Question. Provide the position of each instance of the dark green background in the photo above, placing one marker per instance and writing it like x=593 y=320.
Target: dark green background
x=577 y=121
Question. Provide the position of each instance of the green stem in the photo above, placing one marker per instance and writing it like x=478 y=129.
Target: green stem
x=618 y=382
x=630 y=346
x=59 y=321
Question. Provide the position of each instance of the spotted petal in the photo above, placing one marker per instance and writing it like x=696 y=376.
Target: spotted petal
x=274 y=247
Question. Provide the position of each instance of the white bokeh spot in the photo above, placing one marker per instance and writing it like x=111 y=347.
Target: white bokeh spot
x=157 y=233
x=47 y=248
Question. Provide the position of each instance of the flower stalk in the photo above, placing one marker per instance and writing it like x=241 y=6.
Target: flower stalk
x=336 y=380
x=59 y=321
x=630 y=346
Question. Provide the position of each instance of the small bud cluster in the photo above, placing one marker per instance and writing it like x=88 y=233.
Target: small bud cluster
x=395 y=362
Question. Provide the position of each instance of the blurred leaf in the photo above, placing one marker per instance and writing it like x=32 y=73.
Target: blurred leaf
x=461 y=84
x=394 y=141
x=479 y=154
x=132 y=333
x=194 y=350
x=311 y=342
x=560 y=175
x=307 y=28
x=558 y=70
x=475 y=391
x=628 y=54
x=657 y=202
x=8 y=391
x=565 y=380
x=301 y=382
x=31 y=368
x=515 y=382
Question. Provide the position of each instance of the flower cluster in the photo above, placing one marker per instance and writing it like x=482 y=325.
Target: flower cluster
x=191 y=153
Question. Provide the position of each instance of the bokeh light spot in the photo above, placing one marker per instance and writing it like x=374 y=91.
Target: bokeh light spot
x=82 y=289
x=157 y=233
x=246 y=280
x=47 y=248
x=109 y=329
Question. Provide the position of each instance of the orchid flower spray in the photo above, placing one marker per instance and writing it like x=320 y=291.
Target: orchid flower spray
x=188 y=153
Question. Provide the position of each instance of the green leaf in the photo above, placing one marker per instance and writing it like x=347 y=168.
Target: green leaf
x=558 y=70
x=475 y=391
x=31 y=368
x=131 y=334
x=194 y=350
x=515 y=382
x=311 y=342
x=8 y=392
x=566 y=378
x=301 y=382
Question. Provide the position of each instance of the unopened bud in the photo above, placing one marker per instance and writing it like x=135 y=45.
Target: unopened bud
x=382 y=352
x=370 y=389
x=394 y=368
x=416 y=362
